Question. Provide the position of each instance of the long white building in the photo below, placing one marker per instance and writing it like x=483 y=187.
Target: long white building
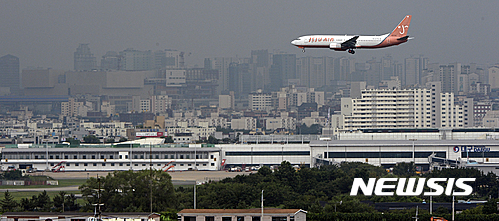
x=425 y=147
x=407 y=108
x=110 y=159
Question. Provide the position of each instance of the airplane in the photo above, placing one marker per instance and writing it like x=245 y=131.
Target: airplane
x=351 y=42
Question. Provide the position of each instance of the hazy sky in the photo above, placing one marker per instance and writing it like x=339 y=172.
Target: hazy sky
x=46 y=33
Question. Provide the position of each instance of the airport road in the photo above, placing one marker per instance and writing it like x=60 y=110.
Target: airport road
x=178 y=178
x=66 y=188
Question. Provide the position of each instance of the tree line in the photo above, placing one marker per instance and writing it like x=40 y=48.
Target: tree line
x=323 y=192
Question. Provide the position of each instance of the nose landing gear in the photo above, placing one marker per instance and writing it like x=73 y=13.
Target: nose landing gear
x=303 y=50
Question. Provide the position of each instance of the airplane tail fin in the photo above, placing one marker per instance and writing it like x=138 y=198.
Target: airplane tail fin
x=402 y=28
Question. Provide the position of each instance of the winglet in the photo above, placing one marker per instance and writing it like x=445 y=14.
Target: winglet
x=402 y=28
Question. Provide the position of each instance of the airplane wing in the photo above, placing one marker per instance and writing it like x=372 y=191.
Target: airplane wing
x=350 y=43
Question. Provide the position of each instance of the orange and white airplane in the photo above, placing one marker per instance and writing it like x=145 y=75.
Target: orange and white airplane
x=351 y=42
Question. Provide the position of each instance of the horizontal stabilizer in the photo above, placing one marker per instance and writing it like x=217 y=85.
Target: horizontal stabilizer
x=403 y=38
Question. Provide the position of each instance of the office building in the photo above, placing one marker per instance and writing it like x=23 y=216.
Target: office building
x=448 y=75
x=283 y=69
x=9 y=73
x=84 y=60
x=135 y=60
x=110 y=61
x=260 y=101
x=315 y=72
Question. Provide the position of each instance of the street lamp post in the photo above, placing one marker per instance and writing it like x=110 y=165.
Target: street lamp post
x=431 y=206
x=262 y=207
x=47 y=156
x=413 y=151
x=131 y=168
x=195 y=187
x=195 y=184
x=327 y=152
x=452 y=208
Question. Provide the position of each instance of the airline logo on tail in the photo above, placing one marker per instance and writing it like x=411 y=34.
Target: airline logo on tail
x=402 y=28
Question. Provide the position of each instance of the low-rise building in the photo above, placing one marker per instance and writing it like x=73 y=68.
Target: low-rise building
x=268 y=214
x=69 y=216
x=243 y=123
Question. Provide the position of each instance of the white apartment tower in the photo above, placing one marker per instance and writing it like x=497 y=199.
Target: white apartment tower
x=260 y=101
x=379 y=109
x=71 y=107
x=160 y=103
x=408 y=108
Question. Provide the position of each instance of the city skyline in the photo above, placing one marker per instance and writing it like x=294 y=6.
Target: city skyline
x=46 y=33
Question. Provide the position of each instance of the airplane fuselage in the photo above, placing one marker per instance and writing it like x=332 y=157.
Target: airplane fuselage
x=351 y=42
x=334 y=41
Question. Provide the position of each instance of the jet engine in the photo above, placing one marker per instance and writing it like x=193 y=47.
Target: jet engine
x=335 y=46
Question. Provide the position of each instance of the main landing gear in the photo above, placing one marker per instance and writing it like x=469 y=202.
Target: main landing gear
x=351 y=51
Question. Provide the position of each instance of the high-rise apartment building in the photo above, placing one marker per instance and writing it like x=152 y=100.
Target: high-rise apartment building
x=72 y=107
x=110 y=61
x=494 y=76
x=9 y=73
x=84 y=60
x=222 y=65
x=135 y=60
x=239 y=79
x=259 y=67
x=283 y=69
x=260 y=101
x=168 y=59
x=407 y=108
x=413 y=70
x=315 y=72
x=293 y=96
x=448 y=75
x=343 y=69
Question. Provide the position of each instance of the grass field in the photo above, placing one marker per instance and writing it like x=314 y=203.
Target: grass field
x=19 y=195
x=62 y=183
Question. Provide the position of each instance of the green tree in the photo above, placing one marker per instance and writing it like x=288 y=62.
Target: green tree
x=43 y=202
x=313 y=129
x=123 y=139
x=69 y=202
x=12 y=175
x=227 y=140
x=348 y=204
x=287 y=174
x=59 y=201
x=441 y=211
x=476 y=210
x=212 y=140
x=91 y=139
x=8 y=203
x=169 y=215
x=127 y=191
x=264 y=171
x=404 y=169
x=28 y=204
x=490 y=206
x=73 y=141
x=169 y=139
